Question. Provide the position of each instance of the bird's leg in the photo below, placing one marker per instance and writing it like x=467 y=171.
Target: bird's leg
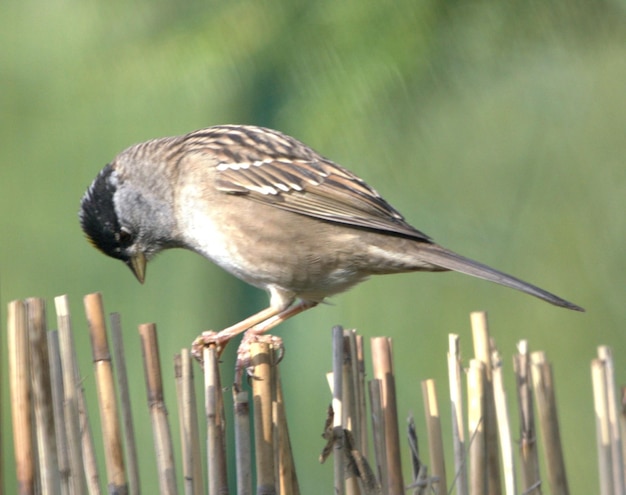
x=221 y=338
x=256 y=332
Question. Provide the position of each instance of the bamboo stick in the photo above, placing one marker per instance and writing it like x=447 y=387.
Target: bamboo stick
x=158 y=412
x=263 y=426
x=482 y=351
x=188 y=418
x=383 y=371
x=56 y=378
x=49 y=478
x=617 y=461
x=529 y=458
x=287 y=477
x=378 y=430
x=435 y=440
x=242 y=442
x=476 y=427
x=111 y=433
x=19 y=378
x=543 y=385
x=603 y=428
x=362 y=442
x=134 y=486
x=84 y=476
x=622 y=422
x=504 y=427
x=456 y=405
x=216 y=451
x=338 y=413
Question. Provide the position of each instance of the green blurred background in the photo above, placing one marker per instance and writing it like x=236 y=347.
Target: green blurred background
x=498 y=128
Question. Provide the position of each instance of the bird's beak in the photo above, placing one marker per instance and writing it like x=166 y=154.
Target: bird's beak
x=137 y=265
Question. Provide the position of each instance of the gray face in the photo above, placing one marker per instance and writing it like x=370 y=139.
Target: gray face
x=126 y=220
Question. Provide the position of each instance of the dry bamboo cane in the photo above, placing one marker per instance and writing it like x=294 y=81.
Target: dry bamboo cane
x=242 y=441
x=482 y=351
x=476 y=427
x=617 y=461
x=622 y=422
x=111 y=432
x=158 y=412
x=19 y=378
x=287 y=477
x=216 y=451
x=192 y=467
x=338 y=414
x=134 y=486
x=378 y=430
x=504 y=427
x=263 y=396
x=349 y=403
x=603 y=435
x=435 y=439
x=543 y=386
x=83 y=476
x=383 y=371
x=456 y=403
x=56 y=377
x=360 y=363
x=42 y=397
x=529 y=458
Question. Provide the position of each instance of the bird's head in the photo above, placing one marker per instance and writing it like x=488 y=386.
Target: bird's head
x=124 y=221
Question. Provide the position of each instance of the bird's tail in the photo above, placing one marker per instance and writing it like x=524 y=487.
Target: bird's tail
x=449 y=260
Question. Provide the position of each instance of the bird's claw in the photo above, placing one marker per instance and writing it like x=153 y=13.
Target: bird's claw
x=206 y=339
x=244 y=363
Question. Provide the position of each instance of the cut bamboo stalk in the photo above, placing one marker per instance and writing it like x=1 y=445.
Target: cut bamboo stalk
x=338 y=413
x=617 y=461
x=456 y=405
x=105 y=386
x=190 y=435
x=287 y=477
x=383 y=371
x=529 y=458
x=482 y=352
x=603 y=427
x=19 y=378
x=378 y=430
x=476 y=427
x=622 y=422
x=543 y=386
x=74 y=422
x=504 y=427
x=56 y=378
x=242 y=442
x=49 y=479
x=263 y=432
x=421 y=482
x=361 y=398
x=216 y=451
x=158 y=412
x=125 y=403
x=435 y=440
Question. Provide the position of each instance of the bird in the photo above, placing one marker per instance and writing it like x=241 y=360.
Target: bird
x=268 y=209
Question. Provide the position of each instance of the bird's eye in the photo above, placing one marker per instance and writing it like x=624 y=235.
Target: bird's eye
x=124 y=237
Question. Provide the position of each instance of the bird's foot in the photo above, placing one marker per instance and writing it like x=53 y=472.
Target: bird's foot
x=245 y=361
x=206 y=339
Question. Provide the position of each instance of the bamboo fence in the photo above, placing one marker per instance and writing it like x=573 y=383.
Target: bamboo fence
x=54 y=451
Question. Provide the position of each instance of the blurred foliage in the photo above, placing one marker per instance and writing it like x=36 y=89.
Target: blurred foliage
x=496 y=127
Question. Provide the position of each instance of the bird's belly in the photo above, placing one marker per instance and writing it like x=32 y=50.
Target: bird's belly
x=292 y=263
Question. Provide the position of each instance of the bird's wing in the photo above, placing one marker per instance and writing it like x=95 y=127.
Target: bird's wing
x=317 y=188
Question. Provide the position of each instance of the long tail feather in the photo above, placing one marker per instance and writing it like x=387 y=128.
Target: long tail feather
x=449 y=260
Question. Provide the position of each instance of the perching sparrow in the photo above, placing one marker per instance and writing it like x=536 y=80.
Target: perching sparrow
x=267 y=209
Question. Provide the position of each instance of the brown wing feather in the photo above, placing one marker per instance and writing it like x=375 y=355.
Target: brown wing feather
x=289 y=175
